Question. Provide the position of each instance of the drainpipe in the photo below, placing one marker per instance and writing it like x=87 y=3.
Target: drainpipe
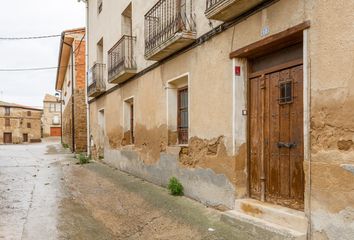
x=72 y=97
x=87 y=71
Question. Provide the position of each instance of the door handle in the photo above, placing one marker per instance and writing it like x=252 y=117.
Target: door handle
x=286 y=145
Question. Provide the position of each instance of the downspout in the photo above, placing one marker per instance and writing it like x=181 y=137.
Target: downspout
x=61 y=117
x=72 y=97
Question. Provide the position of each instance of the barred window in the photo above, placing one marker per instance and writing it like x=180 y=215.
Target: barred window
x=286 y=92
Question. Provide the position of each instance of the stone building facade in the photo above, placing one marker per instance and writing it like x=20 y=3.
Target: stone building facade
x=71 y=83
x=19 y=124
x=247 y=103
x=51 y=116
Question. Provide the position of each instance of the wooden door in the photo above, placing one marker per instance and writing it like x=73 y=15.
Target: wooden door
x=25 y=137
x=276 y=137
x=7 y=138
x=55 y=131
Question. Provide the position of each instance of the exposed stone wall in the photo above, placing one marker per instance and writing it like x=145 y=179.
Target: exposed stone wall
x=67 y=124
x=18 y=124
x=48 y=117
x=80 y=121
x=80 y=135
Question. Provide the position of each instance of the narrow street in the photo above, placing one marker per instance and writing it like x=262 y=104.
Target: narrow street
x=44 y=194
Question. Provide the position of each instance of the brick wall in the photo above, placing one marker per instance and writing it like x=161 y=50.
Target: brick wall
x=80 y=67
x=80 y=125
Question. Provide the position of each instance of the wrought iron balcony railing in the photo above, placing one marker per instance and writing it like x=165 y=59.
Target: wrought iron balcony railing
x=96 y=80
x=166 y=19
x=212 y=3
x=224 y=10
x=121 y=60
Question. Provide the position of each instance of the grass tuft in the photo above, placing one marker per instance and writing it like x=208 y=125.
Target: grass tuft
x=175 y=187
x=83 y=159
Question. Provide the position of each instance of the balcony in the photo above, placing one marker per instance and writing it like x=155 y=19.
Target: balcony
x=96 y=80
x=169 y=27
x=121 y=60
x=224 y=10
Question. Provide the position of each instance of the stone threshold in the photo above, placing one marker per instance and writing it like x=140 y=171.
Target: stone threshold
x=269 y=219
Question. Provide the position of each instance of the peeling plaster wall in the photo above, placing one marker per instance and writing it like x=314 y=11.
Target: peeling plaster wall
x=331 y=52
x=201 y=184
x=216 y=102
x=208 y=121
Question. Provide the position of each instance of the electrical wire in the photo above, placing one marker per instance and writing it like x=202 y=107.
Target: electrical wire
x=39 y=37
x=35 y=69
x=41 y=68
x=29 y=38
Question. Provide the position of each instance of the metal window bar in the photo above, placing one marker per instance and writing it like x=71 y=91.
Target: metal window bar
x=97 y=82
x=121 y=56
x=165 y=19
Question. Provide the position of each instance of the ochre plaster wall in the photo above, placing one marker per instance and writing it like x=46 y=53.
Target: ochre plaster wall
x=328 y=168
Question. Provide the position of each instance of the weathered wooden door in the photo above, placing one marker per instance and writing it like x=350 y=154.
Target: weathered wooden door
x=25 y=137
x=276 y=137
x=7 y=138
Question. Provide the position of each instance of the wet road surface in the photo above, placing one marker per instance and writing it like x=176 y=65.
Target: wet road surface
x=45 y=194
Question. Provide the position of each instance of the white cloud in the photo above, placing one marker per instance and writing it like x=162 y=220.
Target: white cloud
x=32 y=18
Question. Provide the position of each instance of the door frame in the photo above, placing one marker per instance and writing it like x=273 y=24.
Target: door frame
x=179 y=90
x=250 y=76
x=292 y=35
x=25 y=139
x=5 y=133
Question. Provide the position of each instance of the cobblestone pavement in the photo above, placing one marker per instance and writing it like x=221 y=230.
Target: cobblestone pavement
x=45 y=194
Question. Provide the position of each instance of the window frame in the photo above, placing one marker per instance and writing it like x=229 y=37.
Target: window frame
x=7 y=111
x=183 y=131
x=286 y=96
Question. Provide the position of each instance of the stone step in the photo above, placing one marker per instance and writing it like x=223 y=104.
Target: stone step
x=258 y=228
x=282 y=216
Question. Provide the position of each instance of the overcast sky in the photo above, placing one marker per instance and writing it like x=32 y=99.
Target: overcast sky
x=21 y=18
